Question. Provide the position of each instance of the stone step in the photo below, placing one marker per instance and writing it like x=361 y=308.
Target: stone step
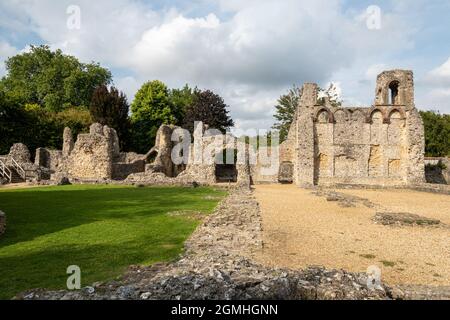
x=15 y=177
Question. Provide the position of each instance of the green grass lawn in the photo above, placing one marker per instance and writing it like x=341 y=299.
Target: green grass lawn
x=101 y=229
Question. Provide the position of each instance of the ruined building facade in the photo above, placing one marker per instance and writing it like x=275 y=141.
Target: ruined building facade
x=94 y=156
x=380 y=145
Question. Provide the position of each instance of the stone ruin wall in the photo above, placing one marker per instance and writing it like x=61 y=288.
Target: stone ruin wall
x=326 y=145
x=95 y=157
x=381 y=145
x=437 y=170
x=20 y=154
x=92 y=157
x=199 y=164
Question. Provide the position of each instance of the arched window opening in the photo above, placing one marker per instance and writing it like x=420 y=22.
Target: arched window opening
x=377 y=117
x=323 y=117
x=393 y=93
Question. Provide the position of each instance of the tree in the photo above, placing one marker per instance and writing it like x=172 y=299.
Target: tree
x=11 y=123
x=288 y=103
x=209 y=108
x=37 y=127
x=437 y=133
x=181 y=100
x=285 y=111
x=110 y=107
x=150 y=109
x=333 y=95
x=51 y=79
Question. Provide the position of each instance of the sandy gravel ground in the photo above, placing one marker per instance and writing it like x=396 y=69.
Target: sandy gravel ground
x=302 y=229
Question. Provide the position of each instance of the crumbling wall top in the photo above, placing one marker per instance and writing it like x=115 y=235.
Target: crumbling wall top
x=20 y=153
x=310 y=92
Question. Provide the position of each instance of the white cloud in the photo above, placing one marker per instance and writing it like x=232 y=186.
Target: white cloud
x=129 y=85
x=6 y=51
x=435 y=89
x=440 y=75
x=249 y=52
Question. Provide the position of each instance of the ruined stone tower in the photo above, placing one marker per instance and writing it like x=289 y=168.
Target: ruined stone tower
x=379 y=145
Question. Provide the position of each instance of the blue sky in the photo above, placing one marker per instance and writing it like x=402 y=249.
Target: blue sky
x=249 y=51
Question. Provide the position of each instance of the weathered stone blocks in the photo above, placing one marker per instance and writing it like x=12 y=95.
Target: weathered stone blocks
x=20 y=153
x=379 y=145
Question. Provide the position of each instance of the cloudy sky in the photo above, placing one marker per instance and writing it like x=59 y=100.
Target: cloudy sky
x=248 y=51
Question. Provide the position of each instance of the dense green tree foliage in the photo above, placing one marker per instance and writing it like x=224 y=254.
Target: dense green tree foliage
x=151 y=108
x=51 y=79
x=209 y=108
x=437 y=133
x=285 y=111
x=44 y=91
x=110 y=107
x=37 y=127
x=181 y=99
x=288 y=103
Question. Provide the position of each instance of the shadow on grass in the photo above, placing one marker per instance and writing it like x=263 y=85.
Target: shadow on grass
x=101 y=229
x=36 y=212
x=47 y=268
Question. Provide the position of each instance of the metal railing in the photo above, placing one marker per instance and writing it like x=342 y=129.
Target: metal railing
x=4 y=170
x=20 y=171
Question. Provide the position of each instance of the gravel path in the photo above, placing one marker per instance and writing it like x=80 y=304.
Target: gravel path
x=302 y=229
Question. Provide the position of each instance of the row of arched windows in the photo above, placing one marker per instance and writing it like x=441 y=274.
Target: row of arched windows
x=325 y=115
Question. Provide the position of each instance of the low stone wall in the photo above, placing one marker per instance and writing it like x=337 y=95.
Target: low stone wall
x=50 y=159
x=437 y=170
x=122 y=170
x=129 y=157
x=2 y=223
x=159 y=179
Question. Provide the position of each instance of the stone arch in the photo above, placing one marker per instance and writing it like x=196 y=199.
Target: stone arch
x=341 y=116
x=324 y=115
x=374 y=115
x=151 y=155
x=395 y=87
x=399 y=112
x=396 y=127
x=394 y=92
x=377 y=133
